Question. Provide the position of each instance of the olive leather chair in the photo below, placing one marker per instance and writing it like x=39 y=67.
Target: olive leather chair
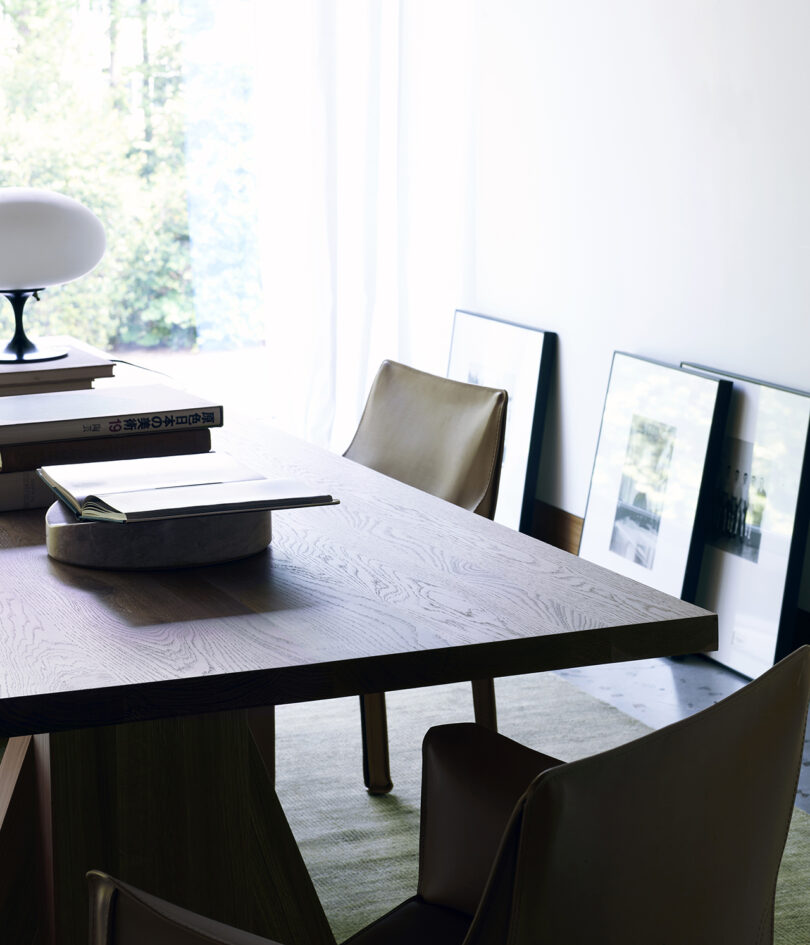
x=675 y=838
x=444 y=437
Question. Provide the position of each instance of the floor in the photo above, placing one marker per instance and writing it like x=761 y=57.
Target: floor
x=660 y=691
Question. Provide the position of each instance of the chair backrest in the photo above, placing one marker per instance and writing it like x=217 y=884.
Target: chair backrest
x=441 y=436
x=674 y=838
x=123 y=915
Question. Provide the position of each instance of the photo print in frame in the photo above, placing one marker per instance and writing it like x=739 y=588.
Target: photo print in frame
x=520 y=360
x=756 y=530
x=660 y=438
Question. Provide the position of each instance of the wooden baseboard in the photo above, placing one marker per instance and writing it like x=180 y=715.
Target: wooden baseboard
x=556 y=527
x=802 y=632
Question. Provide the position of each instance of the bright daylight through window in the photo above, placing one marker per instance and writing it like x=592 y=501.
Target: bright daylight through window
x=117 y=104
x=285 y=187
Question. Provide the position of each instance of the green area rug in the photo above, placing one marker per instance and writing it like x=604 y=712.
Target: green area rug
x=361 y=850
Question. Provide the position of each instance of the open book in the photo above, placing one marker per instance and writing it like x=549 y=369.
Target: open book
x=137 y=490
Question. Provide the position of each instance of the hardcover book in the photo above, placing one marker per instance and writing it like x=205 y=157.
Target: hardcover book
x=112 y=411
x=23 y=490
x=137 y=490
x=12 y=390
x=17 y=457
x=77 y=371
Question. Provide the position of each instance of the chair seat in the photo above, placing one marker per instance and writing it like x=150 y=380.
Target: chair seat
x=415 y=922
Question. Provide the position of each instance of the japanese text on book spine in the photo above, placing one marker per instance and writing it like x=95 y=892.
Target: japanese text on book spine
x=156 y=422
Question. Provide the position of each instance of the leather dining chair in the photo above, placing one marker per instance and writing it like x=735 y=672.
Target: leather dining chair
x=444 y=437
x=673 y=838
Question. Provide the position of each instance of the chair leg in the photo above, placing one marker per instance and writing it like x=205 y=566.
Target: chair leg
x=484 y=703
x=374 y=725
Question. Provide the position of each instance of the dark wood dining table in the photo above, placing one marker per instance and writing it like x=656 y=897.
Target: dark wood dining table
x=139 y=704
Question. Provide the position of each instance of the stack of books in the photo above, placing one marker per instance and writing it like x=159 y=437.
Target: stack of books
x=77 y=371
x=89 y=426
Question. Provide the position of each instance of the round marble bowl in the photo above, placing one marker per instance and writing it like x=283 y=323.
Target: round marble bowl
x=165 y=543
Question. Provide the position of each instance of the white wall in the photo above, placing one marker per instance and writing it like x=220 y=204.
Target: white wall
x=643 y=184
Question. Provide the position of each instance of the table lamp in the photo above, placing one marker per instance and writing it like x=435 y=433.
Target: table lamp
x=45 y=239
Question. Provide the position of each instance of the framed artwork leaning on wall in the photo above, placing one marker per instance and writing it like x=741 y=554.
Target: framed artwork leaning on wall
x=757 y=526
x=660 y=439
x=519 y=359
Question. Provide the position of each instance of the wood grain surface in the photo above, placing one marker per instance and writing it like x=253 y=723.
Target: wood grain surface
x=393 y=588
x=564 y=530
x=182 y=808
x=20 y=863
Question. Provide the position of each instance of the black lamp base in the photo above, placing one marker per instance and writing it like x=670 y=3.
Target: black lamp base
x=21 y=350
x=30 y=357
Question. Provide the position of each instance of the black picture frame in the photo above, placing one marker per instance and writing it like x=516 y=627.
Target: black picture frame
x=757 y=532
x=659 y=443
x=520 y=359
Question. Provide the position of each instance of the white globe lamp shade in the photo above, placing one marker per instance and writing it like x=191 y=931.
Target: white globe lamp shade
x=46 y=239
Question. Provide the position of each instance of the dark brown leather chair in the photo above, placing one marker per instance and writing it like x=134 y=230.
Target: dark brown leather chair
x=446 y=438
x=675 y=838
x=123 y=915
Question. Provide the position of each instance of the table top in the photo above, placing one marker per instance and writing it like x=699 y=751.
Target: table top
x=390 y=589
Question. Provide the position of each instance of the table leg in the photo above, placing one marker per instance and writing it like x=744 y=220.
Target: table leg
x=21 y=874
x=181 y=808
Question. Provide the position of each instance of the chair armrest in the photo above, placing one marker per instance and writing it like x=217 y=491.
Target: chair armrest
x=471 y=780
x=123 y=915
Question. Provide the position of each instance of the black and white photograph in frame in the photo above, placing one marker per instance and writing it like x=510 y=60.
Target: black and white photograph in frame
x=660 y=437
x=757 y=526
x=519 y=359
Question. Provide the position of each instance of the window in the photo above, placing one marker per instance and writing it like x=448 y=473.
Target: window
x=141 y=110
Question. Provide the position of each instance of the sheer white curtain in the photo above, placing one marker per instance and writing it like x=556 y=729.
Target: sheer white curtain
x=365 y=176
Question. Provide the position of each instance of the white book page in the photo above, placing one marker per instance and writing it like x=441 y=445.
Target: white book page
x=149 y=474
x=262 y=493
